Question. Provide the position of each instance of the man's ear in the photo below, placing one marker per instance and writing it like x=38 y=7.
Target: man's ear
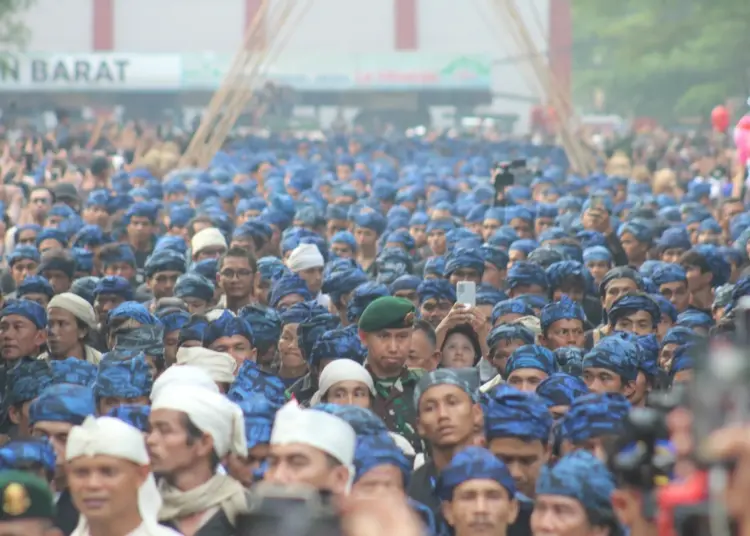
x=628 y=389
x=40 y=338
x=15 y=414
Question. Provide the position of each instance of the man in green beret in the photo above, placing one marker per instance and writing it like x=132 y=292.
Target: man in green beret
x=28 y=508
x=385 y=328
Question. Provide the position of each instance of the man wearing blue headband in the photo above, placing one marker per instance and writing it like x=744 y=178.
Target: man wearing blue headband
x=436 y=231
x=634 y=312
x=23 y=262
x=368 y=226
x=23 y=333
x=162 y=269
x=672 y=282
x=25 y=381
x=110 y=291
x=478 y=495
x=705 y=269
x=611 y=367
x=140 y=220
x=562 y=324
x=231 y=335
x=122 y=381
x=528 y=366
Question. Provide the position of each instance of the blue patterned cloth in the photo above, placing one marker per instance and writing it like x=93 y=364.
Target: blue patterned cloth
x=133 y=311
x=128 y=378
x=251 y=380
x=165 y=260
x=259 y=413
x=361 y=297
x=473 y=463
x=287 y=285
x=594 y=415
x=558 y=273
x=509 y=307
x=464 y=258
x=340 y=282
x=379 y=449
x=63 y=403
x=116 y=285
x=616 y=355
x=302 y=312
x=30 y=310
x=194 y=285
x=581 y=476
x=561 y=389
x=679 y=335
x=436 y=289
x=19 y=454
x=565 y=309
x=510 y=332
x=665 y=306
x=136 y=415
x=620 y=272
x=509 y=412
x=26 y=380
x=627 y=304
x=74 y=371
x=174 y=320
x=435 y=266
x=227 y=325
x=337 y=344
x=570 y=360
x=692 y=318
x=441 y=377
x=524 y=273
x=363 y=421
x=669 y=273
x=531 y=356
x=266 y=325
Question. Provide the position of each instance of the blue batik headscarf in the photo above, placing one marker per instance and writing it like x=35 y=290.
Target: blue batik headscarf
x=473 y=463
x=27 y=309
x=436 y=289
x=136 y=415
x=287 y=285
x=560 y=389
x=63 y=403
x=361 y=297
x=615 y=354
x=510 y=332
x=524 y=273
x=27 y=380
x=378 y=449
x=531 y=356
x=227 y=325
x=569 y=360
x=266 y=324
x=123 y=378
x=73 y=370
x=594 y=415
x=21 y=453
x=337 y=344
x=194 y=285
x=629 y=303
x=252 y=381
x=259 y=413
x=565 y=309
x=115 y=285
x=508 y=307
x=512 y=413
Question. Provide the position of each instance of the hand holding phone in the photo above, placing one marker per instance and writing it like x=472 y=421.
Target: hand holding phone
x=466 y=293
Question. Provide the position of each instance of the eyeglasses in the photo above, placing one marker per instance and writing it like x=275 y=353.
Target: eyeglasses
x=232 y=274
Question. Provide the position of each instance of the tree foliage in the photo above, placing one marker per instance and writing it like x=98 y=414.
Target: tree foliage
x=662 y=57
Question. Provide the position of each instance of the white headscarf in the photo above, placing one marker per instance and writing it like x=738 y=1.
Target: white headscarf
x=305 y=256
x=318 y=429
x=211 y=413
x=220 y=366
x=184 y=375
x=207 y=238
x=341 y=370
x=107 y=436
x=75 y=305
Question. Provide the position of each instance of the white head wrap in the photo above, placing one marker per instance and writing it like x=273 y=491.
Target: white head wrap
x=207 y=238
x=318 y=429
x=305 y=256
x=107 y=436
x=76 y=306
x=211 y=413
x=214 y=314
x=184 y=375
x=220 y=366
x=341 y=370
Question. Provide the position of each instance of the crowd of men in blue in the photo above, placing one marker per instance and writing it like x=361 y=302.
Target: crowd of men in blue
x=326 y=273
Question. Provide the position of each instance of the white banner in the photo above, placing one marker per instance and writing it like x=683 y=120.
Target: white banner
x=91 y=72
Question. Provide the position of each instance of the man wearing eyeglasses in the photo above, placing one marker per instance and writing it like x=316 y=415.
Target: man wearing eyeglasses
x=236 y=275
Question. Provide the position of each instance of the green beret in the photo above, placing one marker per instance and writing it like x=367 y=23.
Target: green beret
x=387 y=312
x=25 y=496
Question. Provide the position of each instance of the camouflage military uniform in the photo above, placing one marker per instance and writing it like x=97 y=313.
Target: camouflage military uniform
x=394 y=403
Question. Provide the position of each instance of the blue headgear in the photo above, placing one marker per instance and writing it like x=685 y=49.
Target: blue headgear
x=679 y=335
x=134 y=311
x=570 y=360
x=123 y=378
x=473 y=463
x=30 y=310
x=174 y=320
x=114 y=284
x=371 y=220
x=494 y=255
x=404 y=282
x=665 y=306
x=524 y=273
x=208 y=268
x=565 y=309
x=26 y=380
x=377 y=449
x=23 y=252
x=441 y=377
x=345 y=237
x=581 y=476
x=510 y=332
x=173 y=243
x=508 y=307
x=266 y=325
x=122 y=253
x=669 y=273
x=63 y=403
x=227 y=325
x=620 y=272
x=512 y=413
x=683 y=359
x=302 y=312
x=35 y=284
x=560 y=389
x=436 y=289
x=719 y=266
x=557 y=272
x=163 y=260
x=590 y=239
x=638 y=228
x=615 y=354
x=531 y=356
x=271 y=268
x=251 y=381
x=337 y=344
x=435 y=266
x=49 y=234
x=464 y=258
x=525 y=245
x=84 y=259
x=489 y=295
x=361 y=297
x=597 y=253
x=594 y=415
x=363 y=421
x=627 y=304
x=286 y=285
x=693 y=318
x=74 y=371
x=18 y=454
x=259 y=413
x=136 y=415
x=143 y=209
x=340 y=282
x=194 y=285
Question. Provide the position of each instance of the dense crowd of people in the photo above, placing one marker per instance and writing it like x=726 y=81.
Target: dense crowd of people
x=175 y=341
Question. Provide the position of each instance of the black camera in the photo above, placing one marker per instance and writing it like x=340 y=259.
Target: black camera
x=504 y=174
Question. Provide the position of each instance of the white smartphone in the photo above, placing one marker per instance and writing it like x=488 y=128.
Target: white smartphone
x=466 y=293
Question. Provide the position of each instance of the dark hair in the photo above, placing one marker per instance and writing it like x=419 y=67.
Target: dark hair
x=194 y=434
x=198 y=219
x=240 y=253
x=426 y=328
x=693 y=258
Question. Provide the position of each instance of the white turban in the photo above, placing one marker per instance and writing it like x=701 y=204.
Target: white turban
x=220 y=366
x=318 y=429
x=305 y=256
x=207 y=238
x=211 y=413
x=107 y=436
x=341 y=370
x=76 y=306
x=184 y=375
